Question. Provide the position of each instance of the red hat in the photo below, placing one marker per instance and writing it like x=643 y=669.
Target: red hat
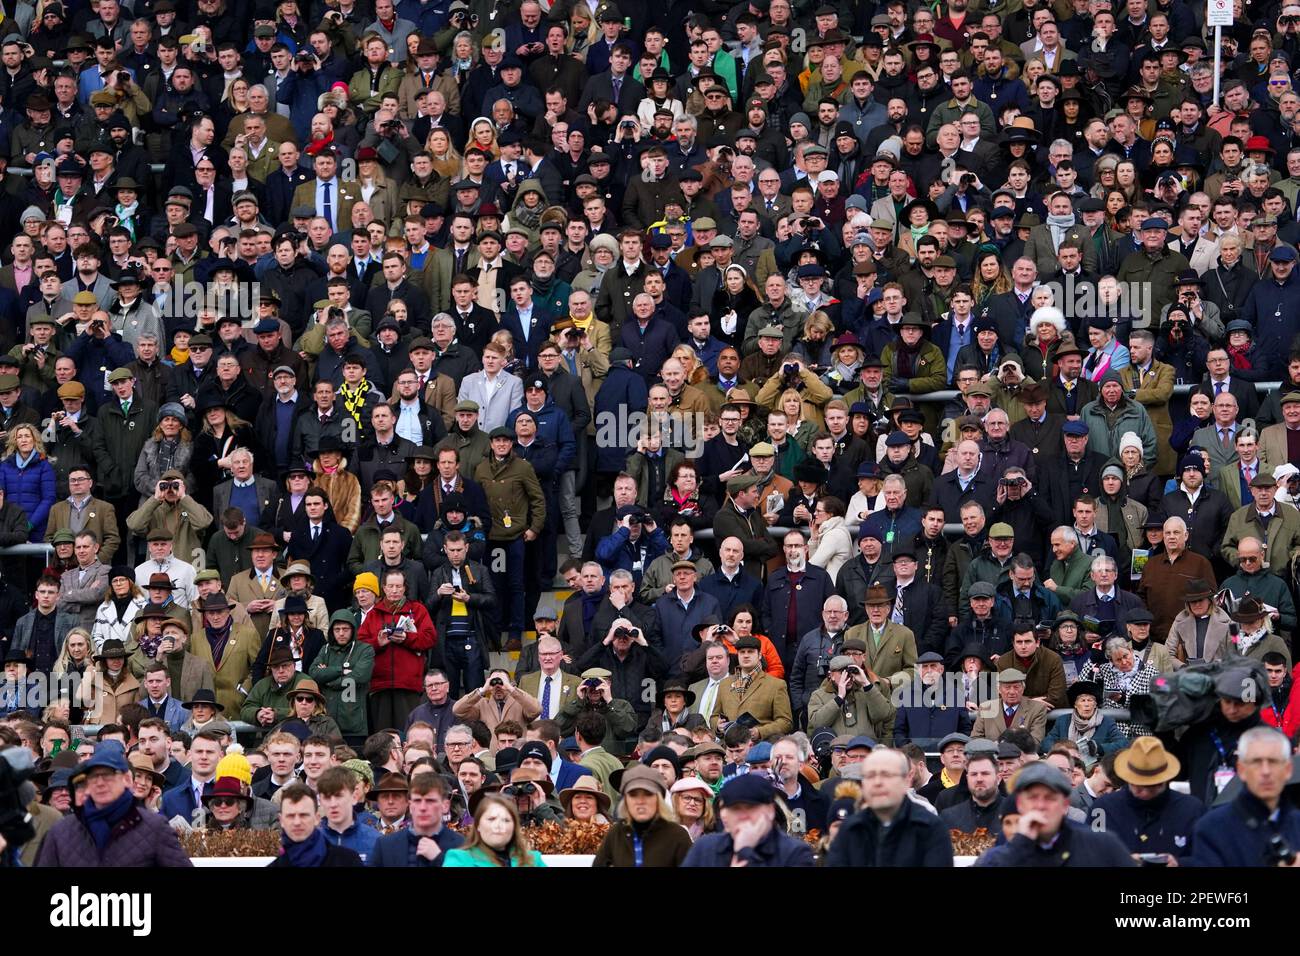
x=228 y=787
x=367 y=153
x=1259 y=144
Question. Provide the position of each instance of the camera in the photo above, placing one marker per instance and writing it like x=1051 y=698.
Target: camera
x=169 y=486
x=496 y=682
x=823 y=664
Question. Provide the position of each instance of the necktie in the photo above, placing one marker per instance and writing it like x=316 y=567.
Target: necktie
x=571 y=361
x=126 y=408
x=510 y=170
x=897 y=615
x=1218 y=388
x=546 y=697
x=1225 y=437
x=315 y=532
x=617 y=82
x=1107 y=598
x=706 y=708
x=328 y=211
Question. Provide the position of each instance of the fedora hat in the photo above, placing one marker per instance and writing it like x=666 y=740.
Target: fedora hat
x=1146 y=763
x=204 y=696
x=297 y=568
x=307 y=686
x=1084 y=687
x=154 y=612
x=228 y=787
x=878 y=595
x=1249 y=609
x=215 y=601
x=263 y=541
x=143 y=762
x=675 y=687
x=160 y=580
x=585 y=784
x=388 y=783
x=1197 y=589
x=112 y=649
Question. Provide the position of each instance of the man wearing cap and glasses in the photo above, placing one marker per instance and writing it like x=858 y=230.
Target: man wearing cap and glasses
x=1043 y=835
x=111 y=829
x=747 y=808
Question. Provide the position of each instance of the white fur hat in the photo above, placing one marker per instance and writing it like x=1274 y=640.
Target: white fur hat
x=1048 y=313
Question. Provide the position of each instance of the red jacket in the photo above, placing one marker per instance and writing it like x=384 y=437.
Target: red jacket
x=399 y=666
x=1288 y=721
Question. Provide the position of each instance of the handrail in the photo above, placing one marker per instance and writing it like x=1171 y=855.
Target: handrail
x=30 y=549
x=947 y=395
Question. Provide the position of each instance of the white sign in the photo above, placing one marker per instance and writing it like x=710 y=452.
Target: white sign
x=1218 y=13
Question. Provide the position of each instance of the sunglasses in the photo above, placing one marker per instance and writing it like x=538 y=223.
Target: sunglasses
x=304 y=699
x=224 y=801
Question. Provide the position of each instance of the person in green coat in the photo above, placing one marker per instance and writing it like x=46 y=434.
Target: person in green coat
x=496 y=839
x=270 y=700
x=1071 y=567
x=913 y=364
x=342 y=670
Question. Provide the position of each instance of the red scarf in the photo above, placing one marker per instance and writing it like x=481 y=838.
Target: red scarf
x=317 y=145
x=1240 y=358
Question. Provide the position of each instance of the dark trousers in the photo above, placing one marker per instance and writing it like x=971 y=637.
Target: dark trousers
x=391 y=708
x=506 y=560
x=464 y=663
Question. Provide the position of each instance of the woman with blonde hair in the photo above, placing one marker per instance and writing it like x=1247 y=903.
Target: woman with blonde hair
x=1034 y=68
x=223 y=431
x=447 y=162
x=123 y=601
x=582 y=30
x=695 y=372
x=170 y=446
x=815 y=343
x=27 y=477
x=693 y=803
x=496 y=838
x=377 y=189
x=483 y=134
x=234 y=102
x=646 y=832
x=76 y=655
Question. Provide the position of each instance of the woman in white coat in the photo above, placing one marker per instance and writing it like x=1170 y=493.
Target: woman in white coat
x=831 y=544
x=122 y=602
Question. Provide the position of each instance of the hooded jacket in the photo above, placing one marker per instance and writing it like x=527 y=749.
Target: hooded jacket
x=343 y=672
